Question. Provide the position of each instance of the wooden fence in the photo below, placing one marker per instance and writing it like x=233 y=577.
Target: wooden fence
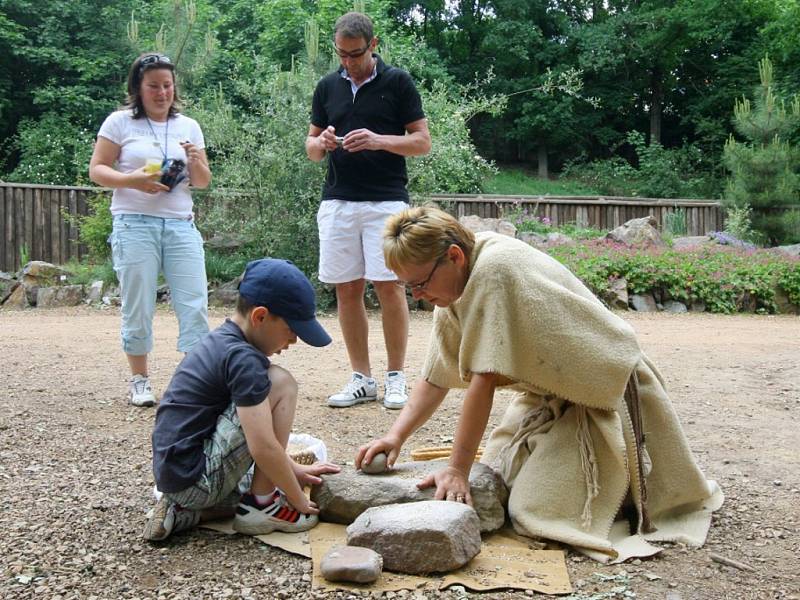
x=34 y=219
x=598 y=212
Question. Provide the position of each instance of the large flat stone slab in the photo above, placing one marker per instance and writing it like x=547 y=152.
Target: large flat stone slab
x=343 y=496
x=436 y=536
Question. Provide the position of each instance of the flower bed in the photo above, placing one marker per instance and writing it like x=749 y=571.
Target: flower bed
x=725 y=279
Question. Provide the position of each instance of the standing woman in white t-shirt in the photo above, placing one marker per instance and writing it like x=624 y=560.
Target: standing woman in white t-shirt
x=154 y=228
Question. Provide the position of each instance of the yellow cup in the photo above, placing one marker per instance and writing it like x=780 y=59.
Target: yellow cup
x=152 y=165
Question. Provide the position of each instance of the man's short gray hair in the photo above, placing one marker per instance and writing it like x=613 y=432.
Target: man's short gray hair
x=354 y=25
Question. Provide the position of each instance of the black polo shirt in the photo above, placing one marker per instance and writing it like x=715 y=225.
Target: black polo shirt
x=384 y=105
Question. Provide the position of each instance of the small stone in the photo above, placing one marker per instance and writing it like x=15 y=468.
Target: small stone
x=351 y=563
x=378 y=464
x=777 y=482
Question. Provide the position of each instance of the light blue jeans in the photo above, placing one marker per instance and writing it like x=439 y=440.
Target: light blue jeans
x=141 y=247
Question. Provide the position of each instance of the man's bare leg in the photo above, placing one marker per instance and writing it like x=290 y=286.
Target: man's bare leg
x=354 y=324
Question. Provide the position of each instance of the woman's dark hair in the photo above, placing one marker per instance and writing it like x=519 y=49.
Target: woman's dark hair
x=148 y=62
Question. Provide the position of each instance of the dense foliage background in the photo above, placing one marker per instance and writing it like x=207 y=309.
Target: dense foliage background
x=628 y=97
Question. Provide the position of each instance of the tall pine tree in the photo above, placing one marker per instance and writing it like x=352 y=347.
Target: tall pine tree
x=765 y=169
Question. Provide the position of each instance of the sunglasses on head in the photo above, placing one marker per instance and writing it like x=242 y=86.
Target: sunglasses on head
x=153 y=59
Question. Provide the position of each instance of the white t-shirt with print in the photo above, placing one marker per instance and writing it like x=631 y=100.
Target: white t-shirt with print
x=138 y=142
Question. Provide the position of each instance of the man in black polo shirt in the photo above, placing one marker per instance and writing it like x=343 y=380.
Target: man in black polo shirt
x=366 y=117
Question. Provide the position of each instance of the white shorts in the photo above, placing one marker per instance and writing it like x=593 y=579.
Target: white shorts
x=351 y=240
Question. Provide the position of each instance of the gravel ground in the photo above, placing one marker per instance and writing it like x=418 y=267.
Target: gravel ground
x=75 y=463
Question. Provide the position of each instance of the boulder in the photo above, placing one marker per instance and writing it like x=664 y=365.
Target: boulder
x=643 y=303
x=783 y=304
x=637 y=232
x=532 y=239
x=793 y=250
x=95 y=293
x=343 y=496
x=673 y=306
x=351 y=563
x=616 y=296
x=476 y=224
x=7 y=282
x=559 y=239
x=17 y=299
x=436 y=536
x=697 y=306
x=53 y=297
x=226 y=294
x=41 y=273
x=691 y=241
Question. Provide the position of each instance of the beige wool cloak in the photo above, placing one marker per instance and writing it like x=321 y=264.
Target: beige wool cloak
x=566 y=444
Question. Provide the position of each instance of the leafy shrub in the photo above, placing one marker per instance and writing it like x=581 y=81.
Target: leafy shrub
x=52 y=151
x=661 y=172
x=725 y=278
x=526 y=220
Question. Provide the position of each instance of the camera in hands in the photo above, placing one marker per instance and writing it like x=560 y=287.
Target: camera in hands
x=340 y=141
x=173 y=171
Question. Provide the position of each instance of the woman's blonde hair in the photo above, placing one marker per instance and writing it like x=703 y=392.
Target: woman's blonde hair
x=422 y=234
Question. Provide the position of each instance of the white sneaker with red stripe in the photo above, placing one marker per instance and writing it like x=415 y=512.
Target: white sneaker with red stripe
x=254 y=519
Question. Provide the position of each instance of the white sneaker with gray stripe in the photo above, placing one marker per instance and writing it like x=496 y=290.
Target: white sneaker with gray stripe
x=359 y=389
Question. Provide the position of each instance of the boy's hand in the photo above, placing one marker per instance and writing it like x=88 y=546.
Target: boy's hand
x=389 y=445
x=309 y=474
x=304 y=505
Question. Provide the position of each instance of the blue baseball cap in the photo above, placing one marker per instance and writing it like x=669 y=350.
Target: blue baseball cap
x=283 y=289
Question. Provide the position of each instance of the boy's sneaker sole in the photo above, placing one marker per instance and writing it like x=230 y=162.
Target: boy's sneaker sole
x=346 y=402
x=305 y=523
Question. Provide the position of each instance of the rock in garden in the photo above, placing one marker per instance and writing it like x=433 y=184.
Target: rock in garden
x=53 y=297
x=435 y=536
x=17 y=299
x=343 y=496
x=376 y=465
x=95 y=293
x=637 y=232
x=691 y=241
x=674 y=306
x=227 y=294
x=41 y=273
x=616 y=296
x=643 y=303
x=351 y=563
x=475 y=223
x=532 y=238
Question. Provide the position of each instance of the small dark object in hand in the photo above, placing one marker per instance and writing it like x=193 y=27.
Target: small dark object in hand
x=173 y=171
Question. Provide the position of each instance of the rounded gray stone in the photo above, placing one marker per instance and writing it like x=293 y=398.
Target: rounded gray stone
x=378 y=464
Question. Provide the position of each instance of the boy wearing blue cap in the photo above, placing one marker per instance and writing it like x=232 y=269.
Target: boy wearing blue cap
x=227 y=408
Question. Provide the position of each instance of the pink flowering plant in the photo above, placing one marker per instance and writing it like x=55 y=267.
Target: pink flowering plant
x=726 y=279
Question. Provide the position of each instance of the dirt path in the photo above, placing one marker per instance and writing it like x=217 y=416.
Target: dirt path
x=75 y=462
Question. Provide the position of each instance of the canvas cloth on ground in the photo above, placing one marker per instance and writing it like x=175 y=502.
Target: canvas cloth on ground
x=566 y=444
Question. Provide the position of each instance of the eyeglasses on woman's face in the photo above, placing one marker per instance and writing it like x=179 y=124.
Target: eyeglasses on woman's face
x=420 y=286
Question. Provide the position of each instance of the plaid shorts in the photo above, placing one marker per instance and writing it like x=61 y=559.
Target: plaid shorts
x=227 y=474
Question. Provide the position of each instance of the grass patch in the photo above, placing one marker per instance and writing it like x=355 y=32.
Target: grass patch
x=510 y=181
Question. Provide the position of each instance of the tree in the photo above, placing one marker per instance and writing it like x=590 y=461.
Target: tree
x=765 y=169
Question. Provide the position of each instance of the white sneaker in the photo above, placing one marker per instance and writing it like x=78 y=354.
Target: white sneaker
x=140 y=393
x=394 y=390
x=359 y=389
x=253 y=519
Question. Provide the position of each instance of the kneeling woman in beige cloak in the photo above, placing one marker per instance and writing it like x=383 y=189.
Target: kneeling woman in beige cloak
x=590 y=446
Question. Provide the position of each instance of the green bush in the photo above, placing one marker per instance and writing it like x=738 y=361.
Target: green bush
x=661 y=172
x=726 y=279
x=52 y=151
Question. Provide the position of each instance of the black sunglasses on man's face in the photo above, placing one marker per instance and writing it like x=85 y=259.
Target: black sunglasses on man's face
x=352 y=54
